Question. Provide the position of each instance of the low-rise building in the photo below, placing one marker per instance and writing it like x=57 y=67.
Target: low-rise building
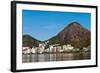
x=26 y=50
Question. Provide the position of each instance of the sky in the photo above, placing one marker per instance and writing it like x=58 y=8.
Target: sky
x=43 y=25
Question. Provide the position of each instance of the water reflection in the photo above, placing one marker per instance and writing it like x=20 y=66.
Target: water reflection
x=55 y=57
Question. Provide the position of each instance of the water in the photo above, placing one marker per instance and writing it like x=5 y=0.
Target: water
x=26 y=58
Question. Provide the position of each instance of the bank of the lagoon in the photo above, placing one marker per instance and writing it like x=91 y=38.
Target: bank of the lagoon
x=55 y=48
x=46 y=57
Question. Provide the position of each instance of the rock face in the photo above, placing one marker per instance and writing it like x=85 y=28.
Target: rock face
x=76 y=35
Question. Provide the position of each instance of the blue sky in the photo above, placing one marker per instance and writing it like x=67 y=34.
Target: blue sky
x=43 y=25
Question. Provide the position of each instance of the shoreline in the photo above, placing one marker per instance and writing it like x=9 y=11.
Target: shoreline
x=56 y=52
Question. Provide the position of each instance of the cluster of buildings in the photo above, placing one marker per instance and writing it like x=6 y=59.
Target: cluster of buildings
x=51 y=49
x=58 y=48
x=39 y=49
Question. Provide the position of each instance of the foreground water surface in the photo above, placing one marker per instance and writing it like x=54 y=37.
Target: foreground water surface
x=26 y=58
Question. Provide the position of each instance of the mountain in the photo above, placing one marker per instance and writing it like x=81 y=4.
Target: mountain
x=30 y=41
x=74 y=34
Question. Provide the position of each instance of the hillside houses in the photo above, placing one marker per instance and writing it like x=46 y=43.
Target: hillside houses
x=51 y=49
x=26 y=50
x=58 y=48
x=40 y=49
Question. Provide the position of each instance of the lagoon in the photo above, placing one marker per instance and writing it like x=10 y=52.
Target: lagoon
x=27 y=58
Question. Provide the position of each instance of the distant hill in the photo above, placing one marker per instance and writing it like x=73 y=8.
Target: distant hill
x=54 y=40
x=74 y=34
x=30 y=41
